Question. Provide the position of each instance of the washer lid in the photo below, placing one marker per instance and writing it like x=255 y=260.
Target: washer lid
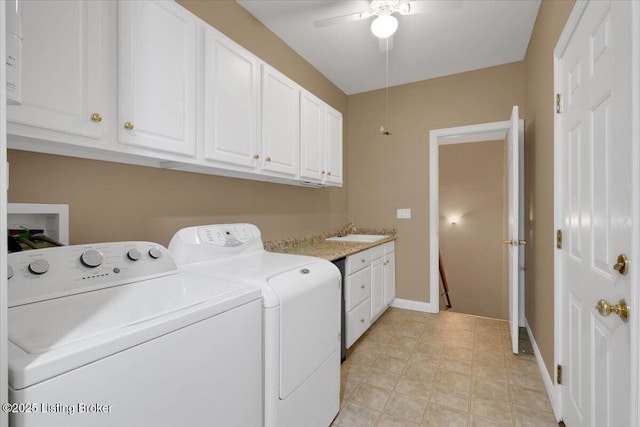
x=54 y=336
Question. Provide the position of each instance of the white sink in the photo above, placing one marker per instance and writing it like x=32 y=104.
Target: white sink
x=368 y=238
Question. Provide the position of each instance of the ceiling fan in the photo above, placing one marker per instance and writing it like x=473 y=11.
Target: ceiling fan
x=385 y=23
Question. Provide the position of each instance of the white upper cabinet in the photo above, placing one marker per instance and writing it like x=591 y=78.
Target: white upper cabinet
x=312 y=138
x=64 y=71
x=334 y=147
x=157 y=76
x=231 y=102
x=280 y=123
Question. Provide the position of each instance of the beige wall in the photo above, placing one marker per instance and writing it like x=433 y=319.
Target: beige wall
x=472 y=187
x=390 y=172
x=552 y=17
x=109 y=201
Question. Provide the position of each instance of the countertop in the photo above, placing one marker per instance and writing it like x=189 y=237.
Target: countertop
x=316 y=245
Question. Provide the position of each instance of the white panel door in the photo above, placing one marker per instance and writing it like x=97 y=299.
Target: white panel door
x=280 y=123
x=63 y=67
x=334 y=147
x=4 y=342
x=231 y=102
x=156 y=76
x=513 y=197
x=595 y=214
x=312 y=137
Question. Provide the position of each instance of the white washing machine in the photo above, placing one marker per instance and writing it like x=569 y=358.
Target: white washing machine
x=114 y=335
x=301 y=298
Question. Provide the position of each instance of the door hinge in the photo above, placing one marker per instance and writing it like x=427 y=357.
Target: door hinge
x=558 y=103
x=559 y=375
x=559 y=239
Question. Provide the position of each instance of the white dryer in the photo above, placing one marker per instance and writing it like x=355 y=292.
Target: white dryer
x=301 y=298
x=114 y=335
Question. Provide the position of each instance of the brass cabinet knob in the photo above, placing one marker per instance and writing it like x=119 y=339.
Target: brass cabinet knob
x=128 y=125
x=268 y=159
x=621 y=309
x=322 y=173
x=363 y=261
x=362 y=320
x=522 y=242
x=256 y=156
x=362 y=286
x=622 y=266
x=96 y=117
x=328 y=173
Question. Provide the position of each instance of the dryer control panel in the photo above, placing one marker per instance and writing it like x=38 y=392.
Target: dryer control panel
x=43 y=274
x=229 y=235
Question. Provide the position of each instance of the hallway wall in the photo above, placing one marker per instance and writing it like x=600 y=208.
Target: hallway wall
x=538 y=140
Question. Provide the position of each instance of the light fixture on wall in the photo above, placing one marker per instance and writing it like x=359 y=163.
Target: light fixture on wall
x=454 y=219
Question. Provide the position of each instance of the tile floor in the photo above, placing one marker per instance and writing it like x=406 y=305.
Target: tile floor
x=446 y=369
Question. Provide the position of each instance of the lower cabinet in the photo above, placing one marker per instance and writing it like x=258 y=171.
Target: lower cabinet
x=370 y=286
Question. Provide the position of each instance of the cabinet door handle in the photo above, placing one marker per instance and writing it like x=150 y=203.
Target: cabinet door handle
x=363 y=260
x=362 y=320
x=96 y=117
x=362 y=286
x=322 y=173
x=128 y=126
x=268 y=159
x=328 y=173
x=256 y=156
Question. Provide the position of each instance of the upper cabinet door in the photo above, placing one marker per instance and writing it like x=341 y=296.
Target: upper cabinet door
x=157 y=76
x=280 y=123
x=231 y=102
x=63 y=70
x=334 y=147
x=312 y=137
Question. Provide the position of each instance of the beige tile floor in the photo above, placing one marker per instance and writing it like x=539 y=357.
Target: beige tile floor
x=446 y=369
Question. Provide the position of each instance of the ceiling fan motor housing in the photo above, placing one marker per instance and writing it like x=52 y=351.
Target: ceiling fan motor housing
x=387 y=7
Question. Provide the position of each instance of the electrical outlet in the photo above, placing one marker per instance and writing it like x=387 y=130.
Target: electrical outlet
x=404 y=214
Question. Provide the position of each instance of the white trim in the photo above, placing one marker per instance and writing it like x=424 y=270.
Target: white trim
x=4 y=176
x=408 y=304
x=458 y=135
x=546 y=379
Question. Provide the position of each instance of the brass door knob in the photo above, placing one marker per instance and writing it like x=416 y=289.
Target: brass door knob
x=621 y=309
x=96 y=117
x=128 y=125
x=622 y=266
x=256 y=156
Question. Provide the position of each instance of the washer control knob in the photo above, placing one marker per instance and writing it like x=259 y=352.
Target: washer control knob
x=10 y=272
x=155 y=252
x=91 y=258
x=39 y=266
x=134 y=254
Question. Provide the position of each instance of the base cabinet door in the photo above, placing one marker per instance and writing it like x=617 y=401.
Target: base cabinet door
x=389 y=277
x=64 y=71
x=377 y=287
x=157 y=76
x=358 y=321
x=231 y=102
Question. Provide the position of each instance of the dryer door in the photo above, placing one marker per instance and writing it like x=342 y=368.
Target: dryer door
x=309 y=321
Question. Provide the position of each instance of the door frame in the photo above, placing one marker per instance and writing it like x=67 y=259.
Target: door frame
x=459 y=135
x=634 y=298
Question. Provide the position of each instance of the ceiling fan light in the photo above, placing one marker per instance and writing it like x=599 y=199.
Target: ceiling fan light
x=384 y=26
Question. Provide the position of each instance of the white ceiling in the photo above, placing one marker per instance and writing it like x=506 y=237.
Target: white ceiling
x=475 y=34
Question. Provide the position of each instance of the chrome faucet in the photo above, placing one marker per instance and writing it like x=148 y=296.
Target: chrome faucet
x=347 y=229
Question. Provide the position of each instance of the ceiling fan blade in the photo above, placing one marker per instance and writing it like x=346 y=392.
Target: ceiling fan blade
x=342 y=19
x=385 y=44
x=426 y=6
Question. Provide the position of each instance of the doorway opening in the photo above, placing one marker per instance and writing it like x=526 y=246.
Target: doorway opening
x=513 y=132
x=473 y=225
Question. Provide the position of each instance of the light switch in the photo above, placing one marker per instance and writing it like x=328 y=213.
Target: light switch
x=404 y=214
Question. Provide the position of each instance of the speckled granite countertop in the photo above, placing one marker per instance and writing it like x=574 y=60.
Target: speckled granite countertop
x=316 y=245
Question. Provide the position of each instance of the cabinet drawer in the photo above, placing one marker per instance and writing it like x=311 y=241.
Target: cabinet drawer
x=358 y=261
x=357 y=288
x=358 y=321
x=377 y=251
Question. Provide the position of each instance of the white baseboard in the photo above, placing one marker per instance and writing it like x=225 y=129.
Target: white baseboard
x=413 y=305
x=546 y=379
